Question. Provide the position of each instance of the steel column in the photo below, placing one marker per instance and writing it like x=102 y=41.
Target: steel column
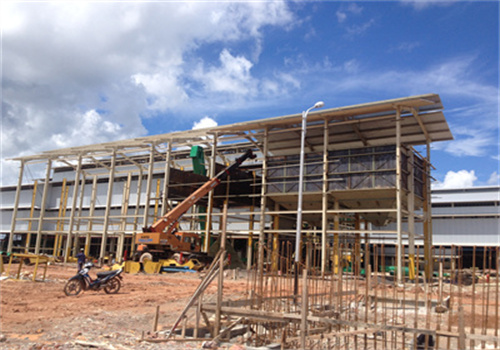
x=111 y=180
x=43 y=206
x=67 y=252
x=148 y=186
x=206 y=243
x=399 y=217
x=324 y=217
x=16 y=205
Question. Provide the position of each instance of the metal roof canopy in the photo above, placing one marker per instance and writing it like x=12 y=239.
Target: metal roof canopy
x=362 y=125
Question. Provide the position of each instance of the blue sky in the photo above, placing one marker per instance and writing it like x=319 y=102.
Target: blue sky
x=76 y=74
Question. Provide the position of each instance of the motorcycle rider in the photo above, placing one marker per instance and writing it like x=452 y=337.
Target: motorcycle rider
x=81 y=259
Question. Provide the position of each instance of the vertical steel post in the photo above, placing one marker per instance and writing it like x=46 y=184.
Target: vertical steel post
x=399 y=208
x=111 y=182
x=411 y=216
x=148 y=186
x=67 y=252
x=336 y=238
x=123 y=226
x=93 y=196
x=137 y=207
x=43 y=206
x=429 y=260
x=30 y=223
x=301 y=185
x=262 y=219
x=76 y=243
x=206 y=243
x=324 y=217
x=166 y=179
x=16 y=205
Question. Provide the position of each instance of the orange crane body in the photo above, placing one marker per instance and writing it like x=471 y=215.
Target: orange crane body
x=163 y=235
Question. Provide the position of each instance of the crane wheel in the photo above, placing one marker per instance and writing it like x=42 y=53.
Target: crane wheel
x=145 y=256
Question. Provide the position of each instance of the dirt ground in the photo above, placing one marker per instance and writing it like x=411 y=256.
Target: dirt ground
x=38 y=315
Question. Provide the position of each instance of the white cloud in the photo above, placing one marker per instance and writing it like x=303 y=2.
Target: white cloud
x=205 y=122
x=356 y=30
x=88 y=72
x=345 y=10
x=459 y=179
x=405 y=47
x=423 y=4
x=469 y=141
x=232 y=76
x=341 y=16
x=494 y=179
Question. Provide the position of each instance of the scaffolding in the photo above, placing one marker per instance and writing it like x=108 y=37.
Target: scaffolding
x=362 y=171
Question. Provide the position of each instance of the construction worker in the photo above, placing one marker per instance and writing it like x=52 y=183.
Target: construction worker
x=81 y=259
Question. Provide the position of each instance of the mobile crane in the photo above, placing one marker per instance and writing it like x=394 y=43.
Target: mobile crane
x=163 y=240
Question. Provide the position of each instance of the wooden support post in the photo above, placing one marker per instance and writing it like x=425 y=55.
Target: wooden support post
x=43 y=206
x=197 y=316
x=250 y=237
x=275 y=253
x=157 y=316
x=209 y=277
x=429 y=260
x=220 y=285
x=304 y=311
x=461 y=328
x=16 y=205
x=336 y=241
x=356 y=261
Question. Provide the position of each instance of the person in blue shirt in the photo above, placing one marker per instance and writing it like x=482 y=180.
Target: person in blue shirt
x=81 y=259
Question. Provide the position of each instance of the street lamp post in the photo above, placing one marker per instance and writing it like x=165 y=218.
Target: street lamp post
x=318 y=104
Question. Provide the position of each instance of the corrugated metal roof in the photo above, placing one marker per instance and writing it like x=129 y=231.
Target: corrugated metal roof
x=368 y=124
x=471 y=194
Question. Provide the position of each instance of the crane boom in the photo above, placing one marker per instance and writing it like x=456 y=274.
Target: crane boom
x=162 y=231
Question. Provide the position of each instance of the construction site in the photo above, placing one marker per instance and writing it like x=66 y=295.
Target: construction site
x=305 y=231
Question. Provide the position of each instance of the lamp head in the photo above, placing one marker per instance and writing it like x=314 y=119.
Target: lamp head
x=319 y=104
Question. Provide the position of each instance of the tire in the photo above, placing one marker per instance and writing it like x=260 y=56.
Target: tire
x=146 y=256
x=73 y=287
x=113 y=286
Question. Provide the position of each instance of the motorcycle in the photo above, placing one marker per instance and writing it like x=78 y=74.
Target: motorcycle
x=110 y=281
